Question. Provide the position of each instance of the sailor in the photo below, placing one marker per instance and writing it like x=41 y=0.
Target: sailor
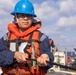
x=24 y=50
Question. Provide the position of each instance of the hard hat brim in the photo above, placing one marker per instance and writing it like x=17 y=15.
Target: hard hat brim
x=13 y=13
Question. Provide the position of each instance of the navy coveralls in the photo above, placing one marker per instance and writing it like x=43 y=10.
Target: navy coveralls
x=7 y=56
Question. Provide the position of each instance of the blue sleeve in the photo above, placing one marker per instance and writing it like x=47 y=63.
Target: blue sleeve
x=45 y=48
x=6 y=56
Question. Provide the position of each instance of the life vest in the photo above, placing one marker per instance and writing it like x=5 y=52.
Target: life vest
x=31 y=39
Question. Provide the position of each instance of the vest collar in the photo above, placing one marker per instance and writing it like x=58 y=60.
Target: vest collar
x=14 y=29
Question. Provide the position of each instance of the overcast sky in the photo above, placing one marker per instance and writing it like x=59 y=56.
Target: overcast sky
x=58 y=20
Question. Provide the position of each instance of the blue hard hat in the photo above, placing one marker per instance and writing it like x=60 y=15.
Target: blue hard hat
x=25 y=7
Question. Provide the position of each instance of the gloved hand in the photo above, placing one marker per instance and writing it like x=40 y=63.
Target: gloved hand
x=21 y=57
x=42 y=60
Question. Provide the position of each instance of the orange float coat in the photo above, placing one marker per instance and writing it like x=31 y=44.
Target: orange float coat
x=21 y=69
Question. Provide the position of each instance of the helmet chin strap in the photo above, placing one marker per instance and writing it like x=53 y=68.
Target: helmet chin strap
x=16 y=19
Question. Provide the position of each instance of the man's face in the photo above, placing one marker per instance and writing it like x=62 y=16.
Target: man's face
x=24 y=21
